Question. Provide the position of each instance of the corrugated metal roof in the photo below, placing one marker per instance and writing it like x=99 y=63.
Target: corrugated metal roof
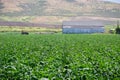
x=82 y=23
x=81 y=26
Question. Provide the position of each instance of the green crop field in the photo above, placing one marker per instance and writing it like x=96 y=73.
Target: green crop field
x=59 y=57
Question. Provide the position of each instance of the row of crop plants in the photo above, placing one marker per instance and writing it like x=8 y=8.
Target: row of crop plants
x=59 y=57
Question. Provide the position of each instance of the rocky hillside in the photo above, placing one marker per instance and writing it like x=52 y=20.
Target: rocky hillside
x=59 y=8
x=56 y=11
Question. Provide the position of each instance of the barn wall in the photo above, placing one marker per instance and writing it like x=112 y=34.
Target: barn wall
x=83 y=30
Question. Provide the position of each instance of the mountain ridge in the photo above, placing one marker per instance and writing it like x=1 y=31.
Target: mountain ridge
x=38 y=10
x=59 y=7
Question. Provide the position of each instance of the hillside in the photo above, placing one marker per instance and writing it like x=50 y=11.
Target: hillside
x=35 y=9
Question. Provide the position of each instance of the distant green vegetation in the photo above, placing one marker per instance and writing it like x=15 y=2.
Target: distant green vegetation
x=108 y=28
x=28 y=29
x=59 y=57
x=17 y=18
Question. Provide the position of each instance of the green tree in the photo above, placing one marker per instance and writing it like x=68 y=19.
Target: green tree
x=118 y=28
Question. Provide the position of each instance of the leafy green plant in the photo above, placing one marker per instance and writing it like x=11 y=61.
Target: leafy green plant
x=59 y=57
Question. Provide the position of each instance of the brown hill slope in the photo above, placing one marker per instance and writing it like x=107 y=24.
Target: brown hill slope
x=56 y=11
x=59 y=8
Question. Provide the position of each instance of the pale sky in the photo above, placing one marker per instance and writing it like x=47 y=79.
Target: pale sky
x=117 y=1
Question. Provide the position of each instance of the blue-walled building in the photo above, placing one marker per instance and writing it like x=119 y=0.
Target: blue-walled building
x=75 y=27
